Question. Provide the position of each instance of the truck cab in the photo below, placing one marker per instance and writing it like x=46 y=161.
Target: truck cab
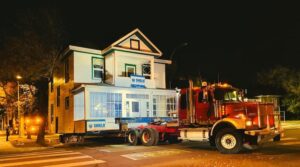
x=219 y=114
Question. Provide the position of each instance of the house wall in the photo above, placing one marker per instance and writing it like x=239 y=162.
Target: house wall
x=160 y=75
x=83 y=67
x=110 y=68
x=122 y=58
x=65 y=116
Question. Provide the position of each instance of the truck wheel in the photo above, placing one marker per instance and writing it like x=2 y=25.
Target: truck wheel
x=229 y=141
x=276 y=138
x=133 y=137
x=148 y=137
x=156 y=136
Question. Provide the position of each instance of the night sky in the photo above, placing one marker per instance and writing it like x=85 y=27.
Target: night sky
x=232 y=39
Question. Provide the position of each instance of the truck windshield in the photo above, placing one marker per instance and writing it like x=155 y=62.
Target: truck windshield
x=226 y=94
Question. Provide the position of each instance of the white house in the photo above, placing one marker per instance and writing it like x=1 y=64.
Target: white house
x=96 y=89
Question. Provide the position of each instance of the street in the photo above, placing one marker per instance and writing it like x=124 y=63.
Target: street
x=113 y=152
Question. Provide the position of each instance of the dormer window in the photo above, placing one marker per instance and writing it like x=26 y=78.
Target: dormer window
x=134 y=44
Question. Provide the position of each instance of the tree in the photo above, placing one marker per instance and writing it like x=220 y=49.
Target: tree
x=286 y=79
x=32 y=49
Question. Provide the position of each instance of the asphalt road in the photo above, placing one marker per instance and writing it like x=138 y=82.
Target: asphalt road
x=113 y=152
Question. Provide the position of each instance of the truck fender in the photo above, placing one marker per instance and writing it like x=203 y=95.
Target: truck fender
x=234 y=122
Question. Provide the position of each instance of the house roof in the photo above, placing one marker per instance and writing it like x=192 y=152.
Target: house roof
x=116 y=45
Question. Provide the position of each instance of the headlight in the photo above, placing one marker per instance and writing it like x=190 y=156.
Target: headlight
x=248 y=123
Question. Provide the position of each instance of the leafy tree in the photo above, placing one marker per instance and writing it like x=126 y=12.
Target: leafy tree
x=32 y=47
x=286 y=79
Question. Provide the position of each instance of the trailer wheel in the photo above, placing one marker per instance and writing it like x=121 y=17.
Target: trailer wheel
x=133 y=137
x=80 y=139
x=149 y=137
x=66 y=139
x=276 y=138
x=229 y=141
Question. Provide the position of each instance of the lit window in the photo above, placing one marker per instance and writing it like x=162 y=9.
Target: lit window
x=98 y=68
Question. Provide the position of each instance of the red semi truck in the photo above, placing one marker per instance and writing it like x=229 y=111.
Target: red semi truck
x=217 y=114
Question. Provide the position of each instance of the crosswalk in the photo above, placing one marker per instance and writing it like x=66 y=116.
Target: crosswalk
x=54 y=158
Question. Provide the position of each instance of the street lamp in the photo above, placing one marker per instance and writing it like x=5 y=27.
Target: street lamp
x=19 y=112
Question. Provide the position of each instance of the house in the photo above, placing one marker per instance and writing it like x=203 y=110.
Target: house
x=97 y=89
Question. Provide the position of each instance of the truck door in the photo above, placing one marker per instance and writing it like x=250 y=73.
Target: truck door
x=201 y=106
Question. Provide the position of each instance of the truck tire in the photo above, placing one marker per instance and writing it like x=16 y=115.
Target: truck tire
x=276 y=138
x=229 y=141
x=156 y=137
x=133 y=137
x=149 y=137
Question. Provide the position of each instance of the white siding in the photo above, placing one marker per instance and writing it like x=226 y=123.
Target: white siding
x=79 y=106
x=122 y=58
x=110 y=68
x=83 y=67
x=160 y=75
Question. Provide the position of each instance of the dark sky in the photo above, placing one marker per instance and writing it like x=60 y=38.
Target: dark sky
x=236 y=40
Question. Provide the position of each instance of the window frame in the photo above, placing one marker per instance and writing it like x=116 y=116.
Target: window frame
x=58 y=96
x=147 y=76
x=129 y=65
x=93 y=69
x=138 y=44
x=67 y=102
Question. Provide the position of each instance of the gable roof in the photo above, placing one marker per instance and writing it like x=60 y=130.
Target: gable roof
x=137 y=34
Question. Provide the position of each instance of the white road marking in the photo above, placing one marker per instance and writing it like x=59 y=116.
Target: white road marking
x=38 y=156
x=153 y=154
x=33 y=153
x=78 y=163
x=44 y=161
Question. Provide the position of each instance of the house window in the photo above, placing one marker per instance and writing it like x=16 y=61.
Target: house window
x=134 y=44
x=135 y=106
x=58 y=96
x=51 y=84
x=52 y=113
x=98 y=68
x=67 y=71
x=146 y=71
x=130 y=69
x=67 y=102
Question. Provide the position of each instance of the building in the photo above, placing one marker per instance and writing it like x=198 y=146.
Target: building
x=97 y=89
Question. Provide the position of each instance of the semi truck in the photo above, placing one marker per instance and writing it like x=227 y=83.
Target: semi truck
x=216 y=113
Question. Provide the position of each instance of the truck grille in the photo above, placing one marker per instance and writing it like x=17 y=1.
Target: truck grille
x=266 y=115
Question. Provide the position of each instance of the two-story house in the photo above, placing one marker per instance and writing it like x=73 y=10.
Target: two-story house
x=96 y=89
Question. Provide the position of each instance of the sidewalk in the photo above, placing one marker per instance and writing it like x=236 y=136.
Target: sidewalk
x=17 y=144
